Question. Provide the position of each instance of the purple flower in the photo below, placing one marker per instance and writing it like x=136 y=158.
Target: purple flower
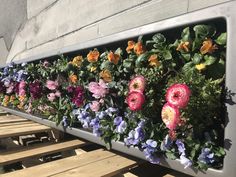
x=206 y=156
x=185 y=161
x=181 y=147
x=78 y=97
x=95 y=124
x=166 y=143
x=135 y=136
x=21 y=75
x=121 y=127
x=64 y=121
x=35 y=89
x=149 y=149
x=117 y=120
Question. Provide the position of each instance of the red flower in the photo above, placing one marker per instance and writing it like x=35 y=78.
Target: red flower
x=135 y=100
x=170 y=116
x=178 y=95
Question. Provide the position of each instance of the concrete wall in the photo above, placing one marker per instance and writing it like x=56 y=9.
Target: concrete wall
x=53 y=24
x=13 y=14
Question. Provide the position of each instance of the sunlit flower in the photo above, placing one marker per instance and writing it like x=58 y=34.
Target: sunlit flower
x=73 y=78
x=51 y=85
x=99 y=89
x=21 y=98
x=208 y=47
x=183 y=46
x=149 y=149
x=51 y=96
x=130 y=46
x=139 y=48
x=106 y=75
x=137 y=84
x=12 y=98
x=92 y=56
x=135 y=100
x=93 y=68
x=153 y=60
x=22 y=86
x=178 y=95
x=200 y=67
x=114 y=58
x=6 y=100
x=170 y=116
x=185 y=161
x=77 y=61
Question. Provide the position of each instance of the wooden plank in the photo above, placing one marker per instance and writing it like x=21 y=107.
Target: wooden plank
x=17 y=155
x=3 y=121
x=106 y=167
x=15 y=123
x=31 y=124
x=12 y=117
x=23 y=131
x=56 y=167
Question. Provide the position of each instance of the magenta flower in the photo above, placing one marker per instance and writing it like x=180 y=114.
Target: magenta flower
x=170 y=116
x=35 y=89
x=51 y=85
x=135 y=100
x=137 y=84
x=178 y=95
x=99 y=89
x=95 y=106
x=78 y=96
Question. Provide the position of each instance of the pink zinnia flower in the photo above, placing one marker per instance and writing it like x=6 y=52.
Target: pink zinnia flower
x=95 y=106
x=137 y=84
x=178 y=95
x=170 y=116
x=57 y=93
x=99 y=89
x=51 y=96
x=21 y=87
x=135 y=100
x=51 y=85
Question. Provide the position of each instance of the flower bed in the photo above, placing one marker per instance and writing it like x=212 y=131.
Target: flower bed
x=163 y=93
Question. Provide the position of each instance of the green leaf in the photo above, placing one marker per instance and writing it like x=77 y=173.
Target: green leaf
x=167 y=55
x=170 y=155
x=209 y=60
x=186 y=34
x=106 y=65
x=203 y=31
x=186 y=56
x=188 y=66
x=221 y=40
x=197 y=58
x=143 y=57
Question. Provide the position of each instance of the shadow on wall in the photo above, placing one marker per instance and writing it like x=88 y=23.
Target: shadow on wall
x=13 y=14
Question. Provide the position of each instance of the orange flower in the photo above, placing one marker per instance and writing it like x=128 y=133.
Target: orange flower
x=183 y=46
x=77 y=61
x=208 y=47
x=114 y=58
x=139 y=48
x=93 y=56
x=130 y=46
x=21 y=98
x=6 y=100
x=73 y=78
x=153 y=61
x=106 y=75
x=20 y=106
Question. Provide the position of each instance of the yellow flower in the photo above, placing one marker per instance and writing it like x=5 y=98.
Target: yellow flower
x=93 y=68
x=114 y=58
x=73 y=78
x=208 y=47
x=139 y=48
x=200 y=67
x=77 y=61
x=12 y=98
x=21 y=98
x=153 y=61
x=93 y=56
x=130 y=46
x=183 y=46
x=106 y=75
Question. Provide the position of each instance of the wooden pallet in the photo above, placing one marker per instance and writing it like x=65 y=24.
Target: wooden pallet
x=98 y=162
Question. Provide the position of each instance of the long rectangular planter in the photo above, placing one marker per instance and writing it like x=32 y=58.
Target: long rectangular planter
x=226 y=11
